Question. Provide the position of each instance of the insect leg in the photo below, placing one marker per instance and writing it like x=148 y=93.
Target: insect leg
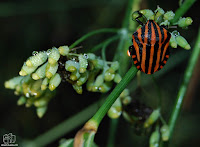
x=137 y=15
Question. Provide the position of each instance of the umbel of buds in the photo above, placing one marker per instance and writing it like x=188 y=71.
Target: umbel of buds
x=43 y=72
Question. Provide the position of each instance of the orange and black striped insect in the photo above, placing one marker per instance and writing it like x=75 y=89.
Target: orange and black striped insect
x=150 y=49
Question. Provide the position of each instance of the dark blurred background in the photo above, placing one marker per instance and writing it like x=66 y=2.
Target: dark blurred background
x=27 y=25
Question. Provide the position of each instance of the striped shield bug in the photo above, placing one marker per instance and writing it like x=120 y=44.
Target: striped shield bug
x=150 y=48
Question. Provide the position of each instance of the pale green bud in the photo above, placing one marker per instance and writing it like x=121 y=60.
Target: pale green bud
x=99 y=80
x=44 y=84
x=21 y=100
x=169 y=15
x=51 y=69
x=40 y=72
x=98 y=63
x=78 y=89
x=63 y=50
x=12 y=83
x=105 y=87
x=54 y=56
x=108 y=76
x=54 y=81
x=117 y=78
x=74 y=76
x=114 y=113
x=41 y=111
x=91 y=56
x=83 y=63
x=41 y=102
x=124 y=93
x=95 y=88
x=115 y=66
x=18 y=89
x=152 y=118
x=72 y=66
x=148 y=14
x=35 y=88
x=182 y=42
x=126 y=100
x=185 y=22
x=165 y=132
x=27 y=70
x=154 y=139
x=37 y=60
x=165 y=23
x=83 y=78
x=159 y=13
x=29 y=102
x=173 y=42
x=89 y=85
x=90 y=81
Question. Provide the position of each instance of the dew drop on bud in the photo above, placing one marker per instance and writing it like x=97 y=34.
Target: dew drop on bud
x=48 y=51
x=175 y=33
x=86 y=56
x=34 y=53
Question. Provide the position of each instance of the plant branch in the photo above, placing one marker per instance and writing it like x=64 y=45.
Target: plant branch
x=112 y=132
x=182 y=91
x=64 y=127
x=100 y=45
x=114 y=95
x=183 y=9
x=86 y=36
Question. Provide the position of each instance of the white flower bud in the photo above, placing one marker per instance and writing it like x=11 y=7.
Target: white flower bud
x=83 y=63
x=71 y=66
x=63 y=50
x=12 y=83
x=37 y=59
x=54 y=56
x=27 y=70
x=51 y=69
x=40 y=72
x=54 y=81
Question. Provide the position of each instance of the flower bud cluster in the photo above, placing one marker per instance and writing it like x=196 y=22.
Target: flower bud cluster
x=165 y=19
x=116 y=109
x=44 y=71
x=157 y=134
x=30 y=93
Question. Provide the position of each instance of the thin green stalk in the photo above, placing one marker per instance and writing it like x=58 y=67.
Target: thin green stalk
x=112 y=132
x=64 y=127
x=182 y=91
x=100 y=45
x=86 y=36
x=103 y=51
x=113 y=96
x=183 y=9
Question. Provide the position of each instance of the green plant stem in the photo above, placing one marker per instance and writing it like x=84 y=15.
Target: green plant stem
x=64 y=127
x=182 y=9
x=125 y=39
x=114 y=95
x=100 y=45
x=86 y=36
x=112 y=132
x=103 y=51
x=182 y=91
